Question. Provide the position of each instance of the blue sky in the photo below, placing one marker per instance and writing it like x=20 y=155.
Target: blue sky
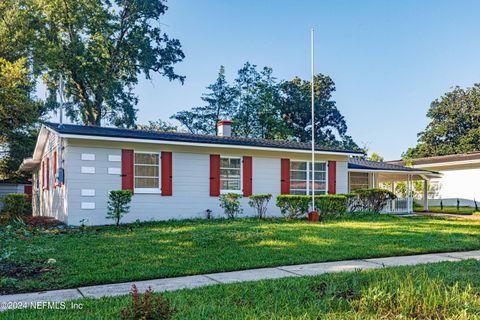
x=389 y=59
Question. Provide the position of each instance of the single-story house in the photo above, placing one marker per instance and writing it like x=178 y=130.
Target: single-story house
x=460 y=177
x=181 y=175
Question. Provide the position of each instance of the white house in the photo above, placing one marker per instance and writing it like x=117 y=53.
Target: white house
x=176 y=175
x=460 y=176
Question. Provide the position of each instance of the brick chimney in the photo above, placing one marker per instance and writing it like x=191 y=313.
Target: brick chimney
x=224 y=128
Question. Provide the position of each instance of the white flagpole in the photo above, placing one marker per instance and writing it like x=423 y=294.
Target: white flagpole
x=313 y=122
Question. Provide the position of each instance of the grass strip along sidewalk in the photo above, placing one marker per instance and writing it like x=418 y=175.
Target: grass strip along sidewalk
x=447 y=290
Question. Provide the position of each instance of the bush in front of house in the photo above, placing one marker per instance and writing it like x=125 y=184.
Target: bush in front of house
x=259 y=203
x=118 y=204
x=293 y=206
x=15 y=205
x=230 y=203
x=370 y=200
x=331 y=204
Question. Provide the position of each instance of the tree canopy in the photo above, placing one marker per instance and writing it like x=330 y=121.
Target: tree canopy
x=263 y=107
x=454 y=125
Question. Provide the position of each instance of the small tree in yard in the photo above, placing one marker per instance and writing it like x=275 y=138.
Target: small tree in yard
x=118 y=201
x=230 y=204
x=259 y=203
x=150 y=307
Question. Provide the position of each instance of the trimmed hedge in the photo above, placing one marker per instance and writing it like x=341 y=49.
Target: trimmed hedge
x=16 y=205
x=331 y=204
x=293 y=206
x=369 y=200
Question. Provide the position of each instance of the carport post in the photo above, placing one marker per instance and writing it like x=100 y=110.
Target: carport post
x=425 y=195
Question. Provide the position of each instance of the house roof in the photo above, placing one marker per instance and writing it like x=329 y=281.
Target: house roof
x=440 y=159
x=94 y=131
x=363 y=164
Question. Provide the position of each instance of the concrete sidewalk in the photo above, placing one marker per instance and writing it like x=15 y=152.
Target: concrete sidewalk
x=171 y=284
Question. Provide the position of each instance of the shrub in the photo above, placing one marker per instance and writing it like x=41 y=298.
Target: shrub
x=151 y=307
x=370 y=200
x=118 y=201
x=15 y=205
x=259 y=203
x=293 y=206
x=331 y=204
x=231 y=204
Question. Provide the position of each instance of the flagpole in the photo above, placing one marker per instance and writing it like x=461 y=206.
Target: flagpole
x=313 y=119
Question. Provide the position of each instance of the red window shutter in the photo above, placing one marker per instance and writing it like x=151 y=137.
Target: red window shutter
x=48 y=173
x=285 y=176
x=332 y=177
x=28 y=191
x=127 y=169
x=166 y=173
x=55 y=169
x=214 y=175
x=43 y=174
x=247 y=176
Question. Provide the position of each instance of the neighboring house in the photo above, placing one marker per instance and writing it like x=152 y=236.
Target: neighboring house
x=460 y=176
x=8 y=186
x=173 y=175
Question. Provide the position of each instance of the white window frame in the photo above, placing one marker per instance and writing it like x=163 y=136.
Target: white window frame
x=223 y=191
x=148 y=190
x=308 y=175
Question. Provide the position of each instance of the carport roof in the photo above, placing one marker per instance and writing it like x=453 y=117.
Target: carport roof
x=355 y=163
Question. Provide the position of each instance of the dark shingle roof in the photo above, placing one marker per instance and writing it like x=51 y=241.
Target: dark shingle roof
x=187 y=137
x=358 y=163
x=475 y=155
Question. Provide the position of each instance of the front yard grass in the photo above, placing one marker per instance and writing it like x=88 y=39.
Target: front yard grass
x=447 y=290
x=99 y=255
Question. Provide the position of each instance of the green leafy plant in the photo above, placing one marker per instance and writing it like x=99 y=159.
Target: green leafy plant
x=293 y=206
x=230 y=203
x=259 y=202
x=370 y=200
x=151 y=307
x=331 y=204
x=118 y=204
x=15 y=205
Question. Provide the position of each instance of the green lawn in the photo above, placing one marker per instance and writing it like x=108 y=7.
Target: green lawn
x=450 y=209
x=448 y=290
x=176 y=248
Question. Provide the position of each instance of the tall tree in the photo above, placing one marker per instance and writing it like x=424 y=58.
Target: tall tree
x=258 y=113
x=454 y=125
x=18 y=115
x=220 y=105
x=158 y=126
x=330 y=125
x=101 y=47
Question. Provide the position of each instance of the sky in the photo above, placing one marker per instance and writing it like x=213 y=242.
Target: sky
x=388 y=59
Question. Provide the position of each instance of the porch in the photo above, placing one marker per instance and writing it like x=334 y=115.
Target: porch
x=407 y=183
